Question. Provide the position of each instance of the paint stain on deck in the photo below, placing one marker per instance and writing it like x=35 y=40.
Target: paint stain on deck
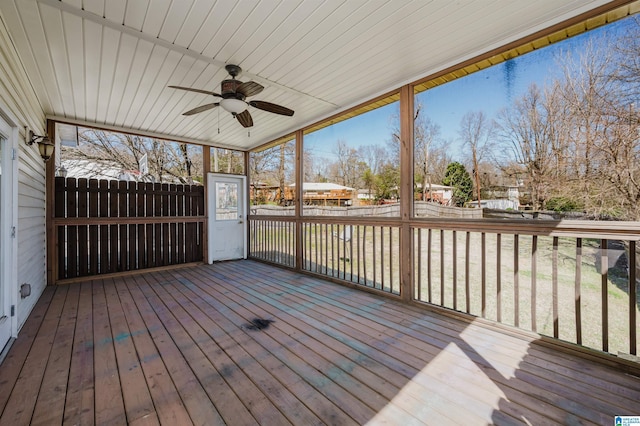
x=257 y=324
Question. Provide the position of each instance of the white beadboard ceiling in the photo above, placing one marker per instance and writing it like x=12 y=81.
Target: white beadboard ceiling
x=109 y=62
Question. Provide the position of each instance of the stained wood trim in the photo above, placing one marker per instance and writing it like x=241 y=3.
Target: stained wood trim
x=361 y=108
x=79 y=221
x=66 y=281
x=494 y=56
x=633 y=294
x=51 y=229
x=143 y=133
x=299 y=171
x=406 y=191
x=624 y=230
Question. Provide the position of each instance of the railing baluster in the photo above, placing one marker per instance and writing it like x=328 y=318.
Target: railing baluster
x=577 y=291
x=467 y=262
x=315 y=236
x=332 y=251
x=325 y=261
x=483 y=273
x=338 y=256
x=307 y=245
x=274 y=241
x=429 y=283
x=499 y=277
x=554 y=289
x=633 y=297
x=351 y=235
x=455 y=270
x=382 y=258
x=391 y=268
x=534 y=253
x=364 y=253
x=375 y=275
x=418 y=251
x=268 y=237
x=604 y=267
x=516 y=286
x=442 y=267
x=275 y=238
x=292 y=244
x=358 y=257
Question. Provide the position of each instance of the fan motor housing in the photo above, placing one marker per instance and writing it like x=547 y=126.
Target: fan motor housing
x=228 y=89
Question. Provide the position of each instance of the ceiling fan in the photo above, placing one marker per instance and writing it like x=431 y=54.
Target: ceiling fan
x=233 y=93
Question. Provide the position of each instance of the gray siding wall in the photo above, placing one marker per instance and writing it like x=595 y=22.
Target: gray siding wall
x=18 y=100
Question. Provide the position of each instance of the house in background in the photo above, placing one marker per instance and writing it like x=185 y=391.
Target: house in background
x=441 y=194
x=322 y=194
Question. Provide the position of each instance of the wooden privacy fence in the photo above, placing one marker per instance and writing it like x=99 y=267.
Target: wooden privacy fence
x=106 y=226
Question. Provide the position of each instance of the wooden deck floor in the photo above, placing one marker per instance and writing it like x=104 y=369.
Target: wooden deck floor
x=176 y=348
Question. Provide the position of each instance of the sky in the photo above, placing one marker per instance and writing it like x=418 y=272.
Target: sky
x=489 y=90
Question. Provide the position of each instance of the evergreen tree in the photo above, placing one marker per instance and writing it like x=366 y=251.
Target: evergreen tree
x=458 y=177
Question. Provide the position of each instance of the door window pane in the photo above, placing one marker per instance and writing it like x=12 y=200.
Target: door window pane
x=226 y=201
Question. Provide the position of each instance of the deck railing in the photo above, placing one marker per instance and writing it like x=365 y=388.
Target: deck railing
x=570 y=280
x=574 y=281
x=366 y=255
x=273 y=240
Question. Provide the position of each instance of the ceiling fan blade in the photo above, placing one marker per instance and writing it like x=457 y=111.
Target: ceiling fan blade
x=244 y=118
x=249 y=88
x=201 y=108
x=269 y=107
x=191 y=89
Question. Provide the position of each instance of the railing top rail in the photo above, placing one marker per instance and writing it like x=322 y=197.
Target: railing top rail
x=624 y=230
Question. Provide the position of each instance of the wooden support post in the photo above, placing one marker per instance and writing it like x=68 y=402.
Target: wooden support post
x=206 y=169
x=406 y=192
x=298 y=197
x=247 y=200
x=51 y=230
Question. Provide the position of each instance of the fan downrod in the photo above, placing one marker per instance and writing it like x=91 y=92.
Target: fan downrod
x=233 y=70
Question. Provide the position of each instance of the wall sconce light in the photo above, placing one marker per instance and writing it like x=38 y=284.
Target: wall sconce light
x=45 y=146
x=62 y=172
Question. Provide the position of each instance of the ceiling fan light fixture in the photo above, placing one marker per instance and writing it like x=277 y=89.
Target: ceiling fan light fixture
x=235 y=106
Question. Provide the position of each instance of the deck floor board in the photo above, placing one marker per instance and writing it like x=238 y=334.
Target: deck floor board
x=177 y=347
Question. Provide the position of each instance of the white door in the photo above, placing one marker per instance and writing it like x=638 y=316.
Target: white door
x=227 y=220
x=6 y=234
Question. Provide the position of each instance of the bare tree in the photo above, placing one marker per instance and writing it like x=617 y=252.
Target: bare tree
x=273 y=167
x=527 y=131
x=227 y=161
x=374 y=156
x=348 y=166
x=426 y=150
x=477 y=134
x=167 y=161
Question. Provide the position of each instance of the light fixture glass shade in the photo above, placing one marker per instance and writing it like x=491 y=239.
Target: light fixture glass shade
x=233 y=105
x=46 y=148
